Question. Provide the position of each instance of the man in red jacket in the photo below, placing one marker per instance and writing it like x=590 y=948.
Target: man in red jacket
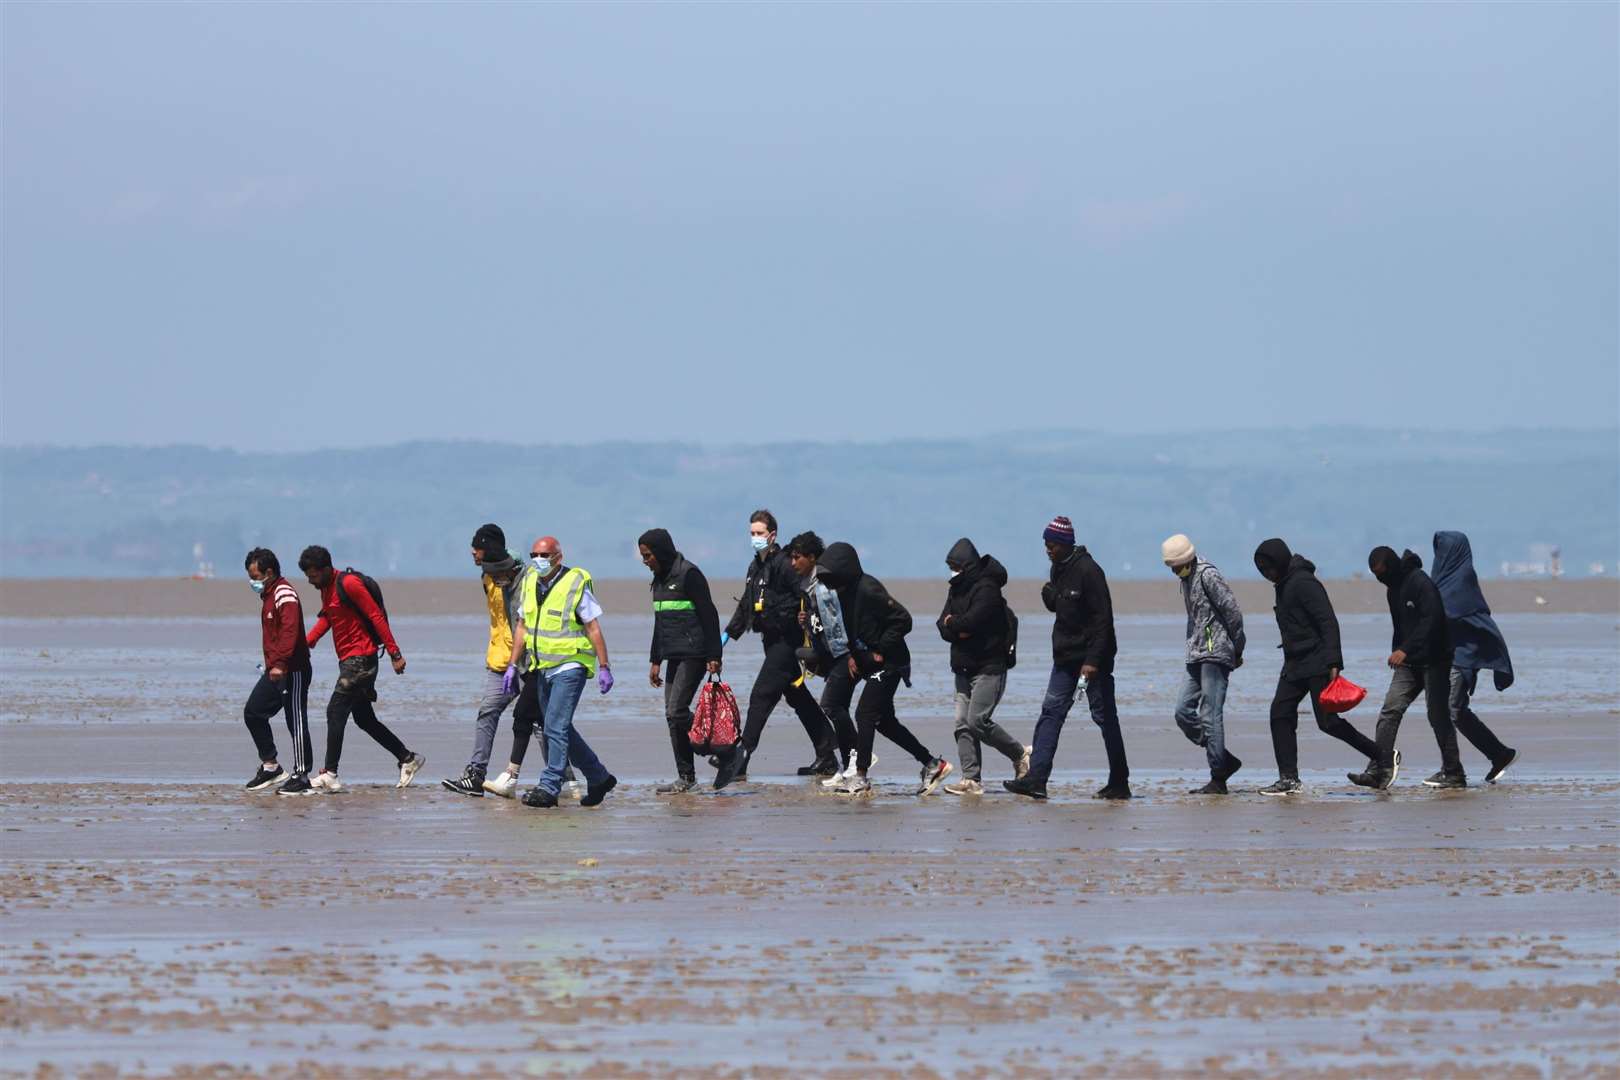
x=284 y=686
x=359 y=632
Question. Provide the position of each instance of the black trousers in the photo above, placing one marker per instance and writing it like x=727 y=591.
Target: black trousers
x=777 y=678
x=1285 y=722
x=836 y=696
x=288 y=694
x=355 y=690
x=681 y=681
x=875 y=713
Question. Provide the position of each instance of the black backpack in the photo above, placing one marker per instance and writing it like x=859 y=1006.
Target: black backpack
x=376 y=596
x=1012 y=636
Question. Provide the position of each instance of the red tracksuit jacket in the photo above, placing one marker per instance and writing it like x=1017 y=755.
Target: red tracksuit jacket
x=283 y=628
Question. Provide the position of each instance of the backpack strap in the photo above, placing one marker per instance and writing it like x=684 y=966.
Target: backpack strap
x=348 y=601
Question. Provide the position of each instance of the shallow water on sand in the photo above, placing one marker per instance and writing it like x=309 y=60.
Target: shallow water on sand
x=158 y=919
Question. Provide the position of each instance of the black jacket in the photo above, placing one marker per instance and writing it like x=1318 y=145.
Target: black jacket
x=1305 y=619
x=977 y=609
x=685 y=623
x=1083 y=632
x=877 y=622
x=770 y=599
x=1418 y=616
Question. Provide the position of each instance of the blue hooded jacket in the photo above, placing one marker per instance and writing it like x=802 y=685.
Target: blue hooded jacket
x=1478 y=640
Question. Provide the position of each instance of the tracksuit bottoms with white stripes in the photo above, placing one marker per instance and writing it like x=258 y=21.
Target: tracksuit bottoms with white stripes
x=289 y=694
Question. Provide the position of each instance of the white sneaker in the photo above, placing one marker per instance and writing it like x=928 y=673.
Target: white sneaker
x=965 y=787
x=325 y=782
x=849 y=772
x=504 y=785
x=409 y=768
x=1021 y=769
x=1395 y=769
x=855 y=785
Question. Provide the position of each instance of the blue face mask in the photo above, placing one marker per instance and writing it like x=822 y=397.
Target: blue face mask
x=543 y=565
x=258 y=586
x=760 y=542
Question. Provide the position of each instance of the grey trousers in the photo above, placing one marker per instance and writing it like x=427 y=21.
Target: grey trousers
x=1434 y=683
x=492 y=702
x=976 y=699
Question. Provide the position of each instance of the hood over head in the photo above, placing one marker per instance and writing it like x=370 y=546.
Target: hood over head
x=1453 y=574
x=962 y=555
x=663 y=548
x=1272 y=554
x=839 y=566
x=992 y=568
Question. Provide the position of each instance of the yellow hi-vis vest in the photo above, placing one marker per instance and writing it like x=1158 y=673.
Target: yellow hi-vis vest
x=552 y=634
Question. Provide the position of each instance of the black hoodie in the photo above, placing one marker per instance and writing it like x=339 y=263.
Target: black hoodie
x=685 y=624
x=977 y=609
x=1305 y=619
x=1417 y=615
x=877 y=622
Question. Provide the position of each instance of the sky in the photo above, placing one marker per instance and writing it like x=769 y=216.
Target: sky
x=273 y=227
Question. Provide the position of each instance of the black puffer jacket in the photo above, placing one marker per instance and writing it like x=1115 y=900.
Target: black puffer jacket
x=685 y=623
x=877 y=622
x=1305 y=619
x=1418 y=616
x=770 y=599
x=976 y=608
x=1083 y=632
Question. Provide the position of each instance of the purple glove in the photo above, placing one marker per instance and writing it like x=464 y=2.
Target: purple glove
x=604 y=680
x=509 y=680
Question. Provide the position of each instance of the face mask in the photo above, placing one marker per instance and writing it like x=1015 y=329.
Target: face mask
x=258 y=586
x=952 y=575
x=760 y=542
x=1184 y=571
x=543 y=565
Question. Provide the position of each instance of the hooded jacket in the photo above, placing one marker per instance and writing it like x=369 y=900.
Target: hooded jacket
x=685 y=623
x=1214 y=620
x=1083 y=632
x=877 y=622
x=770 y=599
x=1477 y=641
x=976 y=607
x=1417 y=615
x=1305 y=620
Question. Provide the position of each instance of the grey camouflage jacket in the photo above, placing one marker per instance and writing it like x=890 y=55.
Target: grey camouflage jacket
x=1214 y=621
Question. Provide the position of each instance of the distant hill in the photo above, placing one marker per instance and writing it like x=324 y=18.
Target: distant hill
x=409 y=510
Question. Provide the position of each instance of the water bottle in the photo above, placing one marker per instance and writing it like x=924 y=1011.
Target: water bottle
x=1080 y=689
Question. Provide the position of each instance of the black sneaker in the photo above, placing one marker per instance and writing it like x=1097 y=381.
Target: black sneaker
x=266 y=778
x=297 y=784
x=1034 y=789
x=1285 y=785
x=1500 y=766
x=678 y=787
x=539 y=797
x=727 y=766
x=1228 y=767
x=822 y=766
x=1447 y=781
x=1367 y=777
x=469 y=783
x=595 y=793
x=1214 y=787
x=1114 y=789
x=741 y=757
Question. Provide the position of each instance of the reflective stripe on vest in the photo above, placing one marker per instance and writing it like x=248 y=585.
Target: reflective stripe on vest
x=551 y=629
x=673 y=605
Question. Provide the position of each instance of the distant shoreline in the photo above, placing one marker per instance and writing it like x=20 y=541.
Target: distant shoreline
x=54 y=598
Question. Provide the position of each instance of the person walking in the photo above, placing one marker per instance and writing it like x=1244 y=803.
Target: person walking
x=1214 y=650
x=560 y=639
x=283 y=686
x=1477 y=643
x=360 y=631
x=499 y=572
x=976 y=623
x=1312 y=659
x=1083 y=651
x=878 y=626
x=1420 y=663
x=821 y=617
x=685 y=645
x=770 y=605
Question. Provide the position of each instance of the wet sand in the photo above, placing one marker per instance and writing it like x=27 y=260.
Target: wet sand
x=159 y=921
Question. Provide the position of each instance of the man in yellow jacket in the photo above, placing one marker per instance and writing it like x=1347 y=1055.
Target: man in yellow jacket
x=502 y=580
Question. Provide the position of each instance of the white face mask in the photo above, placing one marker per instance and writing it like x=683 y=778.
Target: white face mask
x=760 y=542
x=258 y=586
x=952 y=575
x=543 y=565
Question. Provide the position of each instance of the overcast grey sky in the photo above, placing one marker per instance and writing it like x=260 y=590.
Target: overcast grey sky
x=269 y=226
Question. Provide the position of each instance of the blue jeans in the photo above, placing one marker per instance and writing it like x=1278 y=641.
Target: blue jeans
x=492 y=701
x=559 y=694
x=1201 y=711
x=1060 y=690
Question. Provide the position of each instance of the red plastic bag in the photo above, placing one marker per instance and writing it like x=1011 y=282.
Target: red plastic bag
x=1341 y=695
x=715 y=720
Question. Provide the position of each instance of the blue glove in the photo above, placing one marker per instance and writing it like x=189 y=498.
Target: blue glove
x=509 y=680
x=604 y=680
x=724 y=637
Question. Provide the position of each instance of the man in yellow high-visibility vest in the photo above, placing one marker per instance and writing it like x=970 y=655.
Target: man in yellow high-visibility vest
x=558 y=645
